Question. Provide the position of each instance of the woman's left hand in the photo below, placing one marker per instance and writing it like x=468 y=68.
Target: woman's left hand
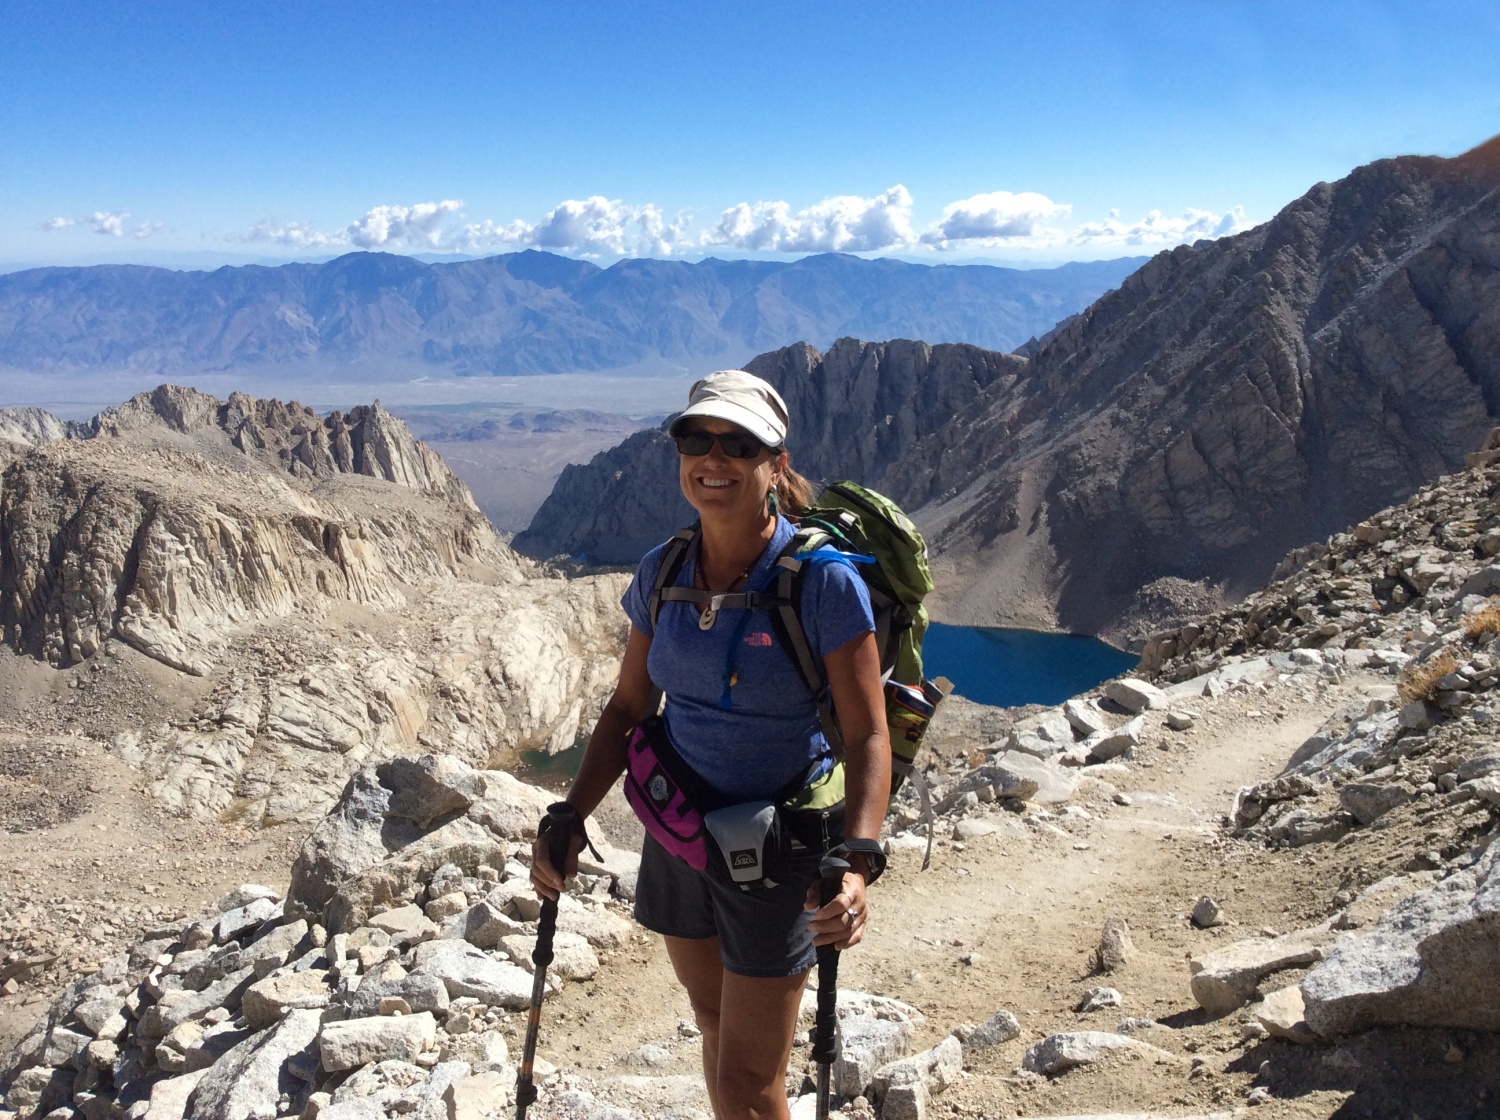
x=841 y=923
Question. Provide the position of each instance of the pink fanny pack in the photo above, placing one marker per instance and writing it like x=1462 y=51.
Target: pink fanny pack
x=749 y=844
x=669 y=798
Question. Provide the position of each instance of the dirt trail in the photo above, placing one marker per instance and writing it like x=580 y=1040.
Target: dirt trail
x=1008 y=921
x=1026 y=906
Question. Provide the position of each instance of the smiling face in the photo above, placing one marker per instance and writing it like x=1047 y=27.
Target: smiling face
x=719 y=487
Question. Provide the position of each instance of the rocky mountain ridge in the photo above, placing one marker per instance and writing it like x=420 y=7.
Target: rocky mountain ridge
x=219 y=539
x=176 y=518
x=1231 y=400
x=520 y=313
x=853 y=409
x=1234 y=399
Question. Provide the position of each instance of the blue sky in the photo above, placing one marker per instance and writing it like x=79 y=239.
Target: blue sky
x=936 y=131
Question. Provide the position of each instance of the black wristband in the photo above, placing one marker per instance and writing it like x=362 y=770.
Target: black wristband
x=872 y=851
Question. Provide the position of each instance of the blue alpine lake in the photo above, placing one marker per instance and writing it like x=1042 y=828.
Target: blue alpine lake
x=987 y=664
x=1007 y=668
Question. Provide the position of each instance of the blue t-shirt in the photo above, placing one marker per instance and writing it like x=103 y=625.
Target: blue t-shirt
x=769 y=732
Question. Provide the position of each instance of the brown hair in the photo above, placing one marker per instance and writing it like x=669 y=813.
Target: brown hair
x=794 y=494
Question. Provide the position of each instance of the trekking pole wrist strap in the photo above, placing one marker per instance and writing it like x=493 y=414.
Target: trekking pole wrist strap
x=873 y=853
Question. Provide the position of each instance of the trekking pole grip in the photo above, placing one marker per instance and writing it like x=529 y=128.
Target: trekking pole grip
x=825 y=1045
x=831 y=871
x=565 y=821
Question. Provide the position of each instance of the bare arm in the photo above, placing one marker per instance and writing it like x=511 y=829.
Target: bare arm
x=604 y=757
x=854 y=682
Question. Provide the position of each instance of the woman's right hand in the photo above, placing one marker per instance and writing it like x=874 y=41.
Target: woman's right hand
x=546 y=879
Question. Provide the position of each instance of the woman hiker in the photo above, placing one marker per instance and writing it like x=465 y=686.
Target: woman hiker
x=740 y=715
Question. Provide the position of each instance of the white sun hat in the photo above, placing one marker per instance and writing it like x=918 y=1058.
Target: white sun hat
x=741 y=398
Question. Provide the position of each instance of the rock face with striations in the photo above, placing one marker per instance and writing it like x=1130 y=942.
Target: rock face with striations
x=852 y=412
x=1231 y=400
x=216 y=538
x=27 y=427
x=21 y=429
x=182 y=519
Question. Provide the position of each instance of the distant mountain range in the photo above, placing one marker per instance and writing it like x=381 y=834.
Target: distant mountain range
x=522 y=313
x=1231 y=400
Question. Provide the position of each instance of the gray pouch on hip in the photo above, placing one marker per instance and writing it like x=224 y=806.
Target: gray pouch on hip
x=753 y=847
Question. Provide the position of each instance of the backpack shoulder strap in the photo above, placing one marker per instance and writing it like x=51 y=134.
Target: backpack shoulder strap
x=786 y=619
x=673 y=557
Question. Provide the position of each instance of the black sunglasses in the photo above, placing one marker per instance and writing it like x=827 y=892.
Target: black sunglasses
x=736 y=445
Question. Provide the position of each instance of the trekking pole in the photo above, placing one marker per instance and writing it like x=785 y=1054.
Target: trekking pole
x=825 y=1029
x=562 y=820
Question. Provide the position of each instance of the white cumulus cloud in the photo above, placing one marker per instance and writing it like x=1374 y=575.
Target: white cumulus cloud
x=109 y=223
x=403 y=226
x=297 y=235
x=1156 y=229
x=592 y=226
x=490 y=234
x=600 y=226
x=423 y=225
x=993 y=219
x=844 y=223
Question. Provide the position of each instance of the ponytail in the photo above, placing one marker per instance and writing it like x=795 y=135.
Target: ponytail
x=794 y=494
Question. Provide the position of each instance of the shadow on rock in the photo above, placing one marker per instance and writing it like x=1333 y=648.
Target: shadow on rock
x=1390 y=1074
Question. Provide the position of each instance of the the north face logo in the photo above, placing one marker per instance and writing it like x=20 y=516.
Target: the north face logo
x=744 y=857
x=758 y=638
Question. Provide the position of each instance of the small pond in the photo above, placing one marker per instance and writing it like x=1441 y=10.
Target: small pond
x=551 y=771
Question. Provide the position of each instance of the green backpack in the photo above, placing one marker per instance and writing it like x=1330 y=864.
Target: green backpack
x=891 y=556
x=859 y=520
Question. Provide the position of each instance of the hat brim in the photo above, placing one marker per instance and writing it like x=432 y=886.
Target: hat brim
x=735 y=414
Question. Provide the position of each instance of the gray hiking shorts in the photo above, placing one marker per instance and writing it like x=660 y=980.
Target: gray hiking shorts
x=761 y=933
